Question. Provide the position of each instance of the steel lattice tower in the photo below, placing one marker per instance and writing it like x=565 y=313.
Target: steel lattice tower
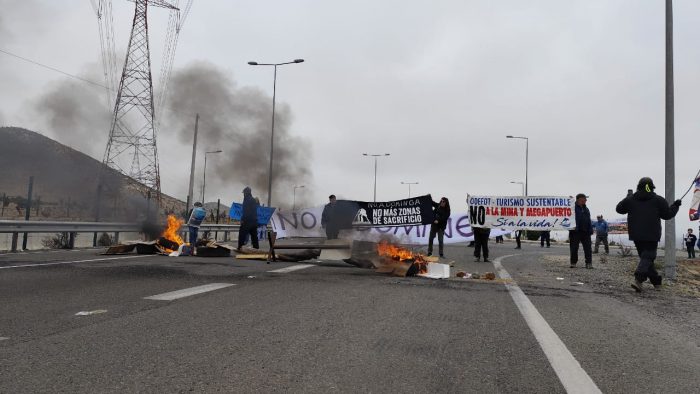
x=132 y=148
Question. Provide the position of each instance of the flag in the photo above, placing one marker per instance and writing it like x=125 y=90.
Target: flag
x=694 y=211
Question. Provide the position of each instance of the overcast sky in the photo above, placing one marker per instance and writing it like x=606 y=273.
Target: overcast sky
x=437 y=84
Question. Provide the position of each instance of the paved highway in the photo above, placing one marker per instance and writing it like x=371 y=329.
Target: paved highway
x=166 y=324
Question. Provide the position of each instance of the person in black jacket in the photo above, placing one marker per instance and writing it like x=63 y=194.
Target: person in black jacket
x=329 y=218
x=249 y=220
x=441 y=213
x=690 y=239
x=644 y=210
x=582 y=233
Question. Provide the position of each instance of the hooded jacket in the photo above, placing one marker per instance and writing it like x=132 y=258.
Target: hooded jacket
x=250 y=210
x=644 y=213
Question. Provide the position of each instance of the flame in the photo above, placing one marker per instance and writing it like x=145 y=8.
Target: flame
x=395 y=252
x=171 y=232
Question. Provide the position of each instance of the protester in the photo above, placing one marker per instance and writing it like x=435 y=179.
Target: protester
x=544 y=237
x=517 y=238
x=196 y=216
x=644 y=210
x=690 y=239
x=582 y=233
x=441 y=212
x=481 y=243
x=601 y=234
x=329 y=218
x=499 y=239
x=249 y=220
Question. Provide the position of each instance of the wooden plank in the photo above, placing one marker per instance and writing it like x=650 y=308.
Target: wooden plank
x=251 y=256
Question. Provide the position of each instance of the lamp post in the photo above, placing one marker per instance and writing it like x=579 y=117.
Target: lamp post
x=375 y=169
x=527 y=141
x=409 y=187
x=204 y=183
x=522 y=185
x=272 y=134
x=294 y=203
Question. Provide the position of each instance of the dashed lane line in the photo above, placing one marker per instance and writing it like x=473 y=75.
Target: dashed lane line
x=174 y=295
x=73 y=262
x=4 y=338
x=570 y=373
x=292 y=268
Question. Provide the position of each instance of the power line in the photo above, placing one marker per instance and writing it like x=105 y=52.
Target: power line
x=53 y=69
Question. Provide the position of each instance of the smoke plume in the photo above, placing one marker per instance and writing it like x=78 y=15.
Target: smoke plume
x=75 y=114
x=237 y=120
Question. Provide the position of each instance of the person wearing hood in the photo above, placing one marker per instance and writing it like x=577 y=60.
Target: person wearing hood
x=441 y=212
x=582 y=233
x=644 y=210
x=249 y=220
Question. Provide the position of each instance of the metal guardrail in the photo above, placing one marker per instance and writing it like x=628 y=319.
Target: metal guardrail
x=22 y=226
x=72 y=228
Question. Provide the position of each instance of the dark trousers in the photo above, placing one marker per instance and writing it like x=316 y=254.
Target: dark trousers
x=604 y=240
x=645 y=269
x=585 y=239
x=499 y=239
x=517 y=240
x=440 y=232
x=331 y=232
x=193 y=235
x=248 y=230
x=544 y=237
x=481 y=243
x=691 y=250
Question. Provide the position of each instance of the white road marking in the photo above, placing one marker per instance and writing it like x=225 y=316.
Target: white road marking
x=292 y=268
x=174 y=295
x=73 y=262
x=570 y=373
x=4 y=338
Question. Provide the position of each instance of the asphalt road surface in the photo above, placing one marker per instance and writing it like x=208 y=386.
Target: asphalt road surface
x=324 y=326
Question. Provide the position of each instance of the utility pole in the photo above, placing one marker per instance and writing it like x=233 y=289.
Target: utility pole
x=670 y=171
x=194 y=156
x=28 y=207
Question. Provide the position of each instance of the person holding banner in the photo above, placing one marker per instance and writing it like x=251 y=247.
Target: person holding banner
x=582 y=233
x=644 y=210
x=329 y=218
x=517 y=239
x=545 y=236
x=441 y=213
x=249 y=220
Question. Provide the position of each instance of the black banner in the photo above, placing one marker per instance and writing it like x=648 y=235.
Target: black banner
x=408 y=212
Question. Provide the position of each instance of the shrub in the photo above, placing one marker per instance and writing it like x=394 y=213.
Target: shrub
x=57 y=241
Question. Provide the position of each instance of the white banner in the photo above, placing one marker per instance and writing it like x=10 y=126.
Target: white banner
x=522 y=212
x=307 y=223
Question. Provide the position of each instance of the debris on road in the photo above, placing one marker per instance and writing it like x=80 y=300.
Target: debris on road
x=560 y=278
x=88 y=313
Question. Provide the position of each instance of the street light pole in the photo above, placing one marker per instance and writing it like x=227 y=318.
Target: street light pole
x=204 y=183
x=522 y=186
x=294 y=203
x=272 y=134
x=375 y=170
x=409 y=187
x=527 y=143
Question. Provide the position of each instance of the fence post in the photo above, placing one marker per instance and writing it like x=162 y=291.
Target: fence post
x=71 y=240
x=116 y=237
x=28 y=207
x=15 y=236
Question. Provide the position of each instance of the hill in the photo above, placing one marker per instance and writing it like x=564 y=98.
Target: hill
x=65 y=182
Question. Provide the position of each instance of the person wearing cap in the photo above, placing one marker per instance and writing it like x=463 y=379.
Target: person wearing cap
x=197 y=215
x=329 y=218
x=644 y=210
x=601 y=234
x=582 y=233
x=249 y=220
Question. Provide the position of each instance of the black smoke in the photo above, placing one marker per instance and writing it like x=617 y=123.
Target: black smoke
x=237 y=120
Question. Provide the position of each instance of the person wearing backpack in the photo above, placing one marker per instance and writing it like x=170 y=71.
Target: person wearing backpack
x=197 y=215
